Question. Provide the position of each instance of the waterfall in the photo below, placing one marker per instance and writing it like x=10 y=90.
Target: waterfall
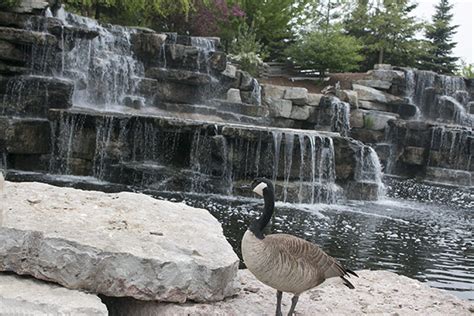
x=205 y=47
x=368 y=168
x=449 y=148
x=104 y=131
x=104 y=69
x=410 y=90
x=288 y=159
x=431 y=92
x=256 y=95
x=66 y=135
x=311 y=176
x=341 y=118
x=277 y=135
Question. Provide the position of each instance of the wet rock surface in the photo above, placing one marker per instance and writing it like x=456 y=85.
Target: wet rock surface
x=394 y=294
x=121 y=244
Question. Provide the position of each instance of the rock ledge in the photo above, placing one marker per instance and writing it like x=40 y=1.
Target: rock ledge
x=123 y=244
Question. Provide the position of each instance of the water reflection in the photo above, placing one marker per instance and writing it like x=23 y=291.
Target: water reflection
x=424 y=241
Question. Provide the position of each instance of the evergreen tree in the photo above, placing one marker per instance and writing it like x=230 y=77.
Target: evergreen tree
x=388 y=31
x=439 y=33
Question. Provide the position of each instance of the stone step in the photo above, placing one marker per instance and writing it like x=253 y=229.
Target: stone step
x=240 y=108
x=449 y=176
x=216 y=113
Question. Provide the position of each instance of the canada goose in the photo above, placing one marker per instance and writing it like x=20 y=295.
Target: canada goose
x=285 y=262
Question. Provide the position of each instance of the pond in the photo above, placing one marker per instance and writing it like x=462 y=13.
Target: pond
x=425 y=240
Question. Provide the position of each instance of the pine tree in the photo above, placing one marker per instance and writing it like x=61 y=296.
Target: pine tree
x=388 y=30
x=440 y=33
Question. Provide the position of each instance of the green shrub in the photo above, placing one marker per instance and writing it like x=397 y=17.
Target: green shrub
x=247 y=51
x=466 y=71
x=326 y=51
x=368 y=122
x=7 y=4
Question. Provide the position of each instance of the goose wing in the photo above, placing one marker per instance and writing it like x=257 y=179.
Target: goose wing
x=301 y=255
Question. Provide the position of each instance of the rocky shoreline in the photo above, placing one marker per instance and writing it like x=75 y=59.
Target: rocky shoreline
x=125 y=245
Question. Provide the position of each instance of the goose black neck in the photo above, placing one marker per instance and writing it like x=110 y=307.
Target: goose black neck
x=257 y=226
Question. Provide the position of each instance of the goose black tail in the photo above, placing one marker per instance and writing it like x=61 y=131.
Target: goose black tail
x=351 y=272
x=347 y=283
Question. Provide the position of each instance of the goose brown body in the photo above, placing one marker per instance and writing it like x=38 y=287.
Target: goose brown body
x=285 y=262
x=288 y=263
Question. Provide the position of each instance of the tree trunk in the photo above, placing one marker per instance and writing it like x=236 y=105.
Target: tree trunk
x=381 y=55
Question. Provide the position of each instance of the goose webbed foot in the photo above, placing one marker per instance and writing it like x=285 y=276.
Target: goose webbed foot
x=294 y=300
x=278 y=310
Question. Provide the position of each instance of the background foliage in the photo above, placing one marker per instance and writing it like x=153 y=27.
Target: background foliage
x=356 y=33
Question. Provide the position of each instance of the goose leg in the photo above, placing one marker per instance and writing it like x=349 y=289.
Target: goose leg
x=294 y=300
x=279 y=296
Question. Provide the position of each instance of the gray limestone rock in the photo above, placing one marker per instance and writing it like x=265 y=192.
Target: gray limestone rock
x=300 y=113
x=178 y=75
x=357 y=118
x=349 y=96
x=20 y=36
x=230 y=71
x=382 y=67
x=314 y=99
x=280 y=108
x=27 y=296
x=233 y=95
x=395 y=295
x=414 y=156
x=374 y=95
x=272 y=92
x=122 y=244
x=387 y=75
x=451 y=176
x=377 y=121
x=376 y=106
x=296 y=95
x=26 y=136
x=375 y=83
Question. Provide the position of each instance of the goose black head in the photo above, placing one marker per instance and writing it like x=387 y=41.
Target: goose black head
x=259 y=185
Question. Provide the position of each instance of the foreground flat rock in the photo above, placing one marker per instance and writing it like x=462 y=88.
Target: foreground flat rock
x=123 y=244
x=376 y=293
x=27 y=296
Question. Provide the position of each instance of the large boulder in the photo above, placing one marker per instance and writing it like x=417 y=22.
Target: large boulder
x=147 y=46
x=396 y=295
x=19 y=36
x=123 y=244
x=178 y=75
x=26 y=296
x=374 y=95
x=296 y=95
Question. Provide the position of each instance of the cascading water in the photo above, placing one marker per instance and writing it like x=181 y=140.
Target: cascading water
x=368 y=168
x=256 y=95
x=410 y=88
x=449 y=148
x=313 y=181
x=104 y=69
x=205 y=47
x=341 y=118
x=430 y=92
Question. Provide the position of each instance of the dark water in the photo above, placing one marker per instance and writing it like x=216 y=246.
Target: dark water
x=423 y=240
x=421 y=231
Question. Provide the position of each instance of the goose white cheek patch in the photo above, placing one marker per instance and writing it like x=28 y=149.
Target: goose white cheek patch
x=259 y=188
